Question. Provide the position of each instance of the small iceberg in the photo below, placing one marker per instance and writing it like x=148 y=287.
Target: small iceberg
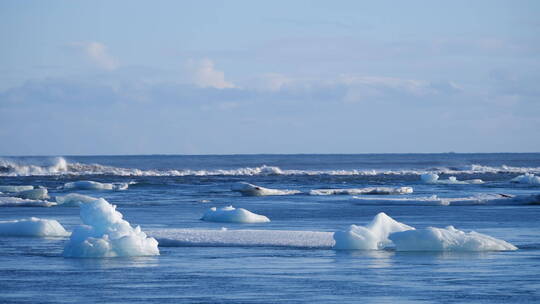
x=230 y=214
x=33 y=226
x=247 y=189
x=363 y=191
x=374 y=236
x=527 y=178
x=447 y=239
x=92 y=185
x=384 y=232
x=74 y=199
x=106 y=234
x=432 y=178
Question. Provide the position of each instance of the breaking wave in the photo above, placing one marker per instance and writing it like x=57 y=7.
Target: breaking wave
x=59 y=166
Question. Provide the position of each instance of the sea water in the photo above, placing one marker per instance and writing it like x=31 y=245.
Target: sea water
x=292 y=257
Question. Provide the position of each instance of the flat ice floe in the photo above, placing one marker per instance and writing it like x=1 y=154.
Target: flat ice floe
x=34 y=194
x=243 y=238
x=248 y=189
x=106 y=234
x=32 y=227
x=478 y=199
x=447 y=239
x=92 y=185
x=8 y=188
x=527 y=178
x=432 y=178
x=373 y=236
x=363 y=191
x=74 y=199
x=230 y=214
x=9 y=201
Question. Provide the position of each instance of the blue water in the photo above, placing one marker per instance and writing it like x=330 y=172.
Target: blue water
x=171 y=192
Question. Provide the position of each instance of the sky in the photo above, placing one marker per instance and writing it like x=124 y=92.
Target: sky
x=235 y=77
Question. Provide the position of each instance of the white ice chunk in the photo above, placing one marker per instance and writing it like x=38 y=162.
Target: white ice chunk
x=8 y=201
x=374 y=236
x=527 y=178
x=248 y=189
x=32 y=227
x=432 y=178
x=359 y=191
x=35 y=194
x=74 y=199
x=230 y=214
x=7 y=188
x=447 y=239
x=92 y=185
x=106 y=234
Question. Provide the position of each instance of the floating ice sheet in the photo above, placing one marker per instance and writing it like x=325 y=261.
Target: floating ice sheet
x=32 y=227
x=248 y=189
x=230 y=214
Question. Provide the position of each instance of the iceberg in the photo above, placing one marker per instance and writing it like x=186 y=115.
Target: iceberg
x=106 y=234
x=32 y=227
x=248 y=189
x=230 y=214
x=374 y=236
x=91 y=185
x=363 y=191
x=447 y=239
x=527 y=178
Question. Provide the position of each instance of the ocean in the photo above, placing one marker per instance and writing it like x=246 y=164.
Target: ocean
x=295 y=257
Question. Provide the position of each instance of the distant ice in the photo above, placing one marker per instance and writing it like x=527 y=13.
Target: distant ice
x=32 y=227
x=373 y=236
x=92 y=185
x=478 y=199
x=447 y=239
x=34 y=194
x=8 y=201
x=248 y=189
x=74 y=199
x=230 y=214
x=364 y=191
x=432 y=178
x=527 y=178
x=7 y=188
x=106 y=234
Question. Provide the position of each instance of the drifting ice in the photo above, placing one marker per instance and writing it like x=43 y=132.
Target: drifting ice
x=32 y=227
x=74 y=199
x=432 y=178
x=232 y=215
x=358 y=191
x=91 y=185
x=247 y=189
x=106 y=234
x=527 y=178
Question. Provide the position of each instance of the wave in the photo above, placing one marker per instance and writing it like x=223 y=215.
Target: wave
x=59 y=166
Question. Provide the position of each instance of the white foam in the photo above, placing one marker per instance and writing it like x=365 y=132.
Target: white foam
x=22 y=167
x=32 y=227
x=7 y=188
x=92 y=185
x=74 y=199
x=34 y=194
x=230 y=214
x=447 y=239
x=364 y=191
x=432 y=178
x=106 y=234
x=248 y=189
x=527 y=178
x=8 y=201
x=243 y=238
x=374 y=236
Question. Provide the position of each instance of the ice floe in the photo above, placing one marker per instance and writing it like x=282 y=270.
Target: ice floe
x=8 y=188
x=32 y=227
x=363 y=191
x=230 y=214
x=527 y=178
x=92 y=185
x=34 y=194
x=74 y=199
x=432 y=178
x=9 y=201
x=248 y=189
x=106 y=234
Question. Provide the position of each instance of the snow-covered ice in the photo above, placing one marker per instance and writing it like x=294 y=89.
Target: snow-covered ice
x=32 y=227
x=230 y=214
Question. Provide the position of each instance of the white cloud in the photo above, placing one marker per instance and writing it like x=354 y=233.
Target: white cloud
x=205 y=75
x=97 y=53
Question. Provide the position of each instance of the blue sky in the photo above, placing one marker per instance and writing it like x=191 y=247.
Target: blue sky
x=220 y=77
